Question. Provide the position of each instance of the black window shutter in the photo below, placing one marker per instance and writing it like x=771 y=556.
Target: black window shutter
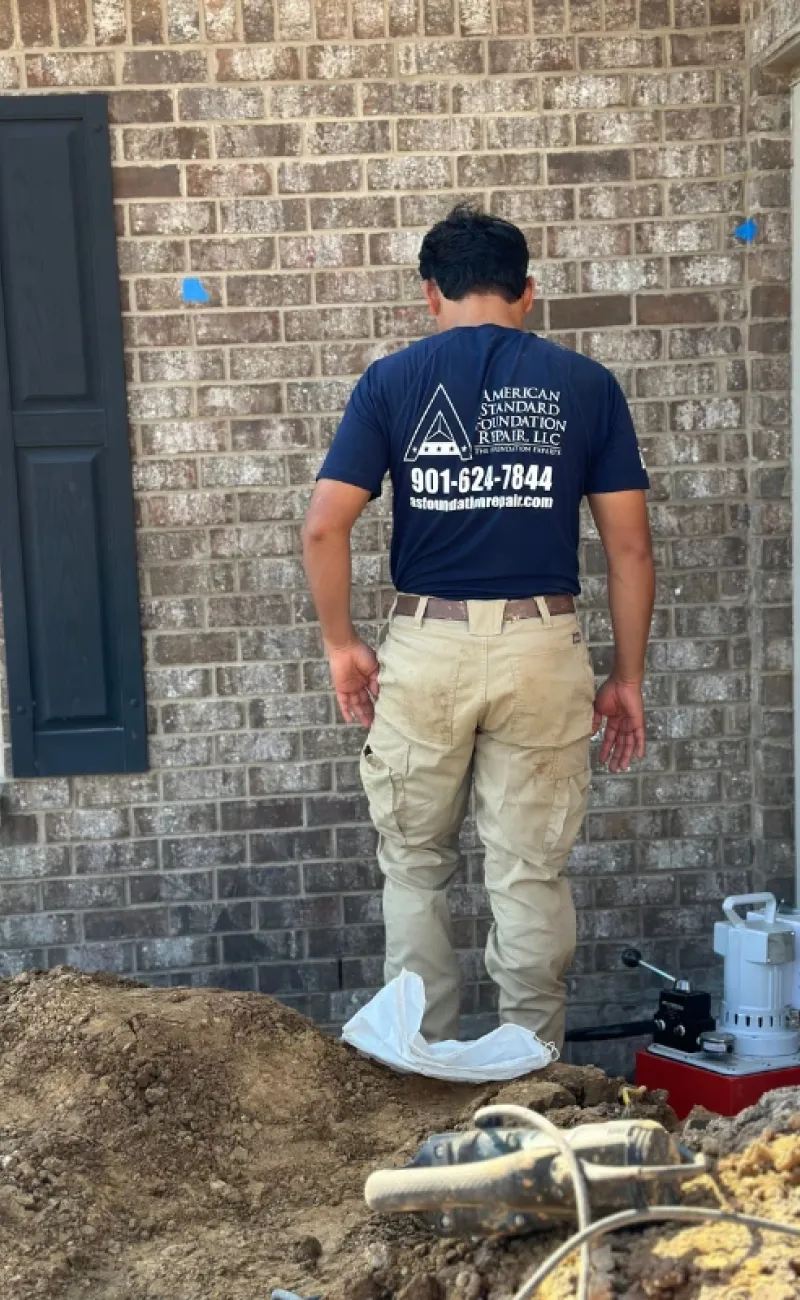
x=67 y=552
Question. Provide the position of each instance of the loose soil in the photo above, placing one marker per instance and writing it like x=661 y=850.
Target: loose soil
x=199 y=1145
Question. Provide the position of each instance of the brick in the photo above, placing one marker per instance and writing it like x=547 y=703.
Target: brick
x=172 y=218
x=548 y=54
x=164 y=67
x=275 y=63
x=670 y=88
x=626 y=276
x=707 y=47
x=677 y=236
x=146 y=21
x=409 y=173
x=271 y=363
x=140 y=106
x=586 y=313
x=677 y=162
x=676 y=308
x=596 y=166
x=163 y=295
x=239 y=254
x=257 y=216
x=35 y=24
x=713 y=196
x=702 y=272
x=346 y=62
x=702 y=123
x=614 y=53
x=638 y=345
x=312 y=101
x=72 y=27
x=228 y=180
x=492 y=95
x=239 y=400
x=258 y=141
x=46 y=930
x=67 y=70
x=220 y=19
x=341 y=213
x=770 y=300
x=258 y=21
x=677 y=381
x=438 y=17
x=512 y=17
x=146 y=182
x=318 y=177
x=615 y=202
x=705 y=342
x=588 y=241
x=268 y=291
x=162 y=144
x=772 y=336
x=328 y=322
x=584 y=92
x=552 y=131
x=440 y=58
x=617 y=128
x=220 y=103
x=237 y=327
x=183 y=21
x=85 y=824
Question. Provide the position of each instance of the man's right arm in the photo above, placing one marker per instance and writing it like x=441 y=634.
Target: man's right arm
x=624 y=528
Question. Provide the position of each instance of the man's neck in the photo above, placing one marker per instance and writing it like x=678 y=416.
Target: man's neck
x=477 y=311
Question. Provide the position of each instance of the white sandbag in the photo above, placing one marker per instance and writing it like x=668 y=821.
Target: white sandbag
x=388 y=1030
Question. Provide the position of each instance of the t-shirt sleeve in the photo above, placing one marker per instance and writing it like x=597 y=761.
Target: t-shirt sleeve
x=617 y=464
x=359 y=453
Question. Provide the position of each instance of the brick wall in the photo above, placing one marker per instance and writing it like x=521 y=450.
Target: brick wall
x=290 y=158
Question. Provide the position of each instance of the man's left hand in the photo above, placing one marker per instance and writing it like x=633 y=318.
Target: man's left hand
x=354 y=672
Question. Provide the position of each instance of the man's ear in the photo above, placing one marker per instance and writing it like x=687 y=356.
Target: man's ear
x=433 y=296
x=529 y=294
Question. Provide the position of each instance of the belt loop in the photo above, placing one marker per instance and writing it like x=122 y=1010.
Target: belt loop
x=390 y=615
x=544 y=610
x=422 y=605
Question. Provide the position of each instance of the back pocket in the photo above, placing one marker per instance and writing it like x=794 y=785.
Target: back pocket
x=418 y=680
x=553 y=696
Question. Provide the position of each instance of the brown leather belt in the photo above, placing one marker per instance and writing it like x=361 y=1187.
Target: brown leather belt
x=457 y=609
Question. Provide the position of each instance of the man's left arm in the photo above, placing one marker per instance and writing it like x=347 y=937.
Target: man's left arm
x=333 y=511
x=350 y=477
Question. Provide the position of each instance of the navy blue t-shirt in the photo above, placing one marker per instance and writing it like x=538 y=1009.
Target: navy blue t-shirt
x=492 y=437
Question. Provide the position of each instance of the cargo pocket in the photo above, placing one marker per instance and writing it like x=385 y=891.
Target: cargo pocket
x=384 y=766
x=540 y=799
x=571 y=777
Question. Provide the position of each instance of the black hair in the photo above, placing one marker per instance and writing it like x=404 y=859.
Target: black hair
x=473 y=252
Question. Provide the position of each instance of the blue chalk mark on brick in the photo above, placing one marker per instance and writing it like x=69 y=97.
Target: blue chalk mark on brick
x=747 y=231
x=194 y=291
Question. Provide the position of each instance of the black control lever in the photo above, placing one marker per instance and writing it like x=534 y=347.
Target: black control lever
x=633 y=958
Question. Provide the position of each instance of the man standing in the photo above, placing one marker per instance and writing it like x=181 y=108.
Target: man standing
x=492 y=437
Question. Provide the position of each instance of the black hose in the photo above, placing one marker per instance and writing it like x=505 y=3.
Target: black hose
x=600 y=1033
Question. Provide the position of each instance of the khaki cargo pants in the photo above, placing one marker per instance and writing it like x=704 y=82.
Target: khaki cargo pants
x=507 y=704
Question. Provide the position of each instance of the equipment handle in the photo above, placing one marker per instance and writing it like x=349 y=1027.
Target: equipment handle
x=742 y=900
x=443 y=1187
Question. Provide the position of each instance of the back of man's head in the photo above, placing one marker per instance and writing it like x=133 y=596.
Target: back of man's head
x=472 y=252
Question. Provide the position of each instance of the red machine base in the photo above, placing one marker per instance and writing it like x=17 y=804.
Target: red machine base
x=689 y=1085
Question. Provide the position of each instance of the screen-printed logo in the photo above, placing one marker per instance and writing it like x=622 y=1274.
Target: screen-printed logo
x=440 y=431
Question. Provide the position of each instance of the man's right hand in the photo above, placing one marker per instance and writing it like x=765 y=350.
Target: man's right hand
x=619 y=704
x=354 y=672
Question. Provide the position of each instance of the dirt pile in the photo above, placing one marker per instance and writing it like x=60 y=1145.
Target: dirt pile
x=182 y=1144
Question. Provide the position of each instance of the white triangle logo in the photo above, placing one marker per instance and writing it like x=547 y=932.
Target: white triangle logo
x=440 y=431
